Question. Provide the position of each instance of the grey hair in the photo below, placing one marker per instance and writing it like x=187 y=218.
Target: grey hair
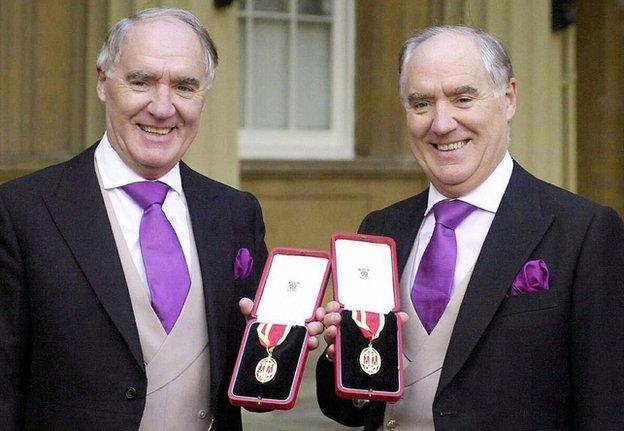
x=493 y=53
x=110 y=52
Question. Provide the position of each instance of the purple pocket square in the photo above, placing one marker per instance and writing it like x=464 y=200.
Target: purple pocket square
x=243 y=264
x=533 y=277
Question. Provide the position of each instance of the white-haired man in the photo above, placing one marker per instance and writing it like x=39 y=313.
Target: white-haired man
x=121 y=269
x=513 y=287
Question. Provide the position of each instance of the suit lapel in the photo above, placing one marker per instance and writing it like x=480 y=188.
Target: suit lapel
x=78 y=211
x=515 y=232
x=405 y=225
x=212 y=228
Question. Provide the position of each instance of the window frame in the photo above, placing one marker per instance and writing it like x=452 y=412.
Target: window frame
x=335 y=143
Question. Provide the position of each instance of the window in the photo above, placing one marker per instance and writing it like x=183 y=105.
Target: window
x=296 y=79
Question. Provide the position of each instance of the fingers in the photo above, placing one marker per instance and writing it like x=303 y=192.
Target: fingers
x=314 y=328
x=319 y=314
x=313 y=343
x=330 y=335
x=330 y=353
x=331 y=319
x=245 y=305
x=332 y=307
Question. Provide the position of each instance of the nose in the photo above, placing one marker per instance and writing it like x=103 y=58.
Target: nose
x=161 y=105
x=443 y=120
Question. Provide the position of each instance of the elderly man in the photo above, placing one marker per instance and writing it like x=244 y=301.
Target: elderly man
x=514 y=288
x=121 y=269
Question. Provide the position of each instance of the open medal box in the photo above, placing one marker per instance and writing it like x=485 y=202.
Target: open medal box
x=273 y=351
x=369 y=347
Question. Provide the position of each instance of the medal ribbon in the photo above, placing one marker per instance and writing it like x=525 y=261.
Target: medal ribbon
x=272 y=335
x=371 y=324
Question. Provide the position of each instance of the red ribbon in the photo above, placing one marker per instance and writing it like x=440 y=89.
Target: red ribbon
x=371 y=324
x=271 y=335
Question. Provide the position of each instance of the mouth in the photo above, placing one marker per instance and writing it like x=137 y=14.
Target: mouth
x=156 y=130
x=451 y=146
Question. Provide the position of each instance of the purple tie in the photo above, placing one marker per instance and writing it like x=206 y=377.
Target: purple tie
x=434 y=280
x=165 y=267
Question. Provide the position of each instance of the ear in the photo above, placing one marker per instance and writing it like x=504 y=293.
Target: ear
x=510 y=99
x=101 y=81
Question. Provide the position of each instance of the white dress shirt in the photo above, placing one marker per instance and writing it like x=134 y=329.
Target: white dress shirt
x=472 y=230
x=114 y=174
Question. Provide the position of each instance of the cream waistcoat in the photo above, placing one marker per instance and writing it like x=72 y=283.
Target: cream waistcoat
x=423 y=358
x=177 y=365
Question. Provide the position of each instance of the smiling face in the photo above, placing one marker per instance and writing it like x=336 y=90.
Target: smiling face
x=458 y=124
x=154 y=95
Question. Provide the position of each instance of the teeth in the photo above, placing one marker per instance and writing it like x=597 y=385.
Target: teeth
x=156 y=130
x=452 y=146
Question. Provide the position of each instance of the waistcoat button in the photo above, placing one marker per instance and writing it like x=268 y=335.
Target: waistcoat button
x=131 y=393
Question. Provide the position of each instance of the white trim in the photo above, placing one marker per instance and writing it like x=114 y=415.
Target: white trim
x=279 y=145
x=333 y=144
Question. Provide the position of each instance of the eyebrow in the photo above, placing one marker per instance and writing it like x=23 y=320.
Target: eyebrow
x=464 y=89
x=138 y=74
x=417 y=97
x=141 y=75
x=190 y=81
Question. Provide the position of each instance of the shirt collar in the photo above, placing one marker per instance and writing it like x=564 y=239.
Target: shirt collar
x=487 y=195
x=115 y=173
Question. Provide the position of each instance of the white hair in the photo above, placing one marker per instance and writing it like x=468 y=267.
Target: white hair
x=493 y=53
x=110 y=52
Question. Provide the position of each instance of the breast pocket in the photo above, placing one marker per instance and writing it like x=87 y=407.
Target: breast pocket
x=528 y=302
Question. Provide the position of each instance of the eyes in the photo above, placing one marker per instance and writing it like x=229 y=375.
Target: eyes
x=422 y=105
x=185 y=90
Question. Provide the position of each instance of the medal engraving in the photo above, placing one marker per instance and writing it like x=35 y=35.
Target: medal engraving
x=370 y=360
x=266 y=369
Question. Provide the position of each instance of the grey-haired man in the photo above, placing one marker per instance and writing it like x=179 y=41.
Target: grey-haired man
x=118 y=288
x=525 y=333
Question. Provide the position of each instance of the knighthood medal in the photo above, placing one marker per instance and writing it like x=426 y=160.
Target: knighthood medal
x=370 y=324
x=270 y=336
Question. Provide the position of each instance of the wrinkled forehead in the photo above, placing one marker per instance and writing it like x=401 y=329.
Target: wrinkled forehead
x=161 y=36
x=447 y=60
x=167 y=45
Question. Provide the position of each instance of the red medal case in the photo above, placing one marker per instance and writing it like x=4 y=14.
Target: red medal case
x=365 y=277
x=291 y=288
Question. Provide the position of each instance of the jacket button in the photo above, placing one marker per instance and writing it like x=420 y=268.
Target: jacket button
x=131 y=393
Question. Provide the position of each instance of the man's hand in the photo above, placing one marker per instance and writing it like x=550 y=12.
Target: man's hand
x=331 y=320
x=314 y=328
x=330 y=317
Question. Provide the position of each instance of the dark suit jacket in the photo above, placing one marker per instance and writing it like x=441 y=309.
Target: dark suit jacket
x=550 y=360
x=70 y=356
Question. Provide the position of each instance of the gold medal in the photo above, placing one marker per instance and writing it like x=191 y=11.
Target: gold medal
x=269 y=335
x=370 y=361
x=370 y=324
x=266 y=369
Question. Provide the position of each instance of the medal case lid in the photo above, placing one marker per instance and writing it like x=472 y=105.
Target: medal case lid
x=365 y=277
x=284 y=296
x=292 y=286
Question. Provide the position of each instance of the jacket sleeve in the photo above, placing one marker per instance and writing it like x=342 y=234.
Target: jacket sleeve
x=13 y=326
x=597 y=326
x=341 y=410
x=260 y=249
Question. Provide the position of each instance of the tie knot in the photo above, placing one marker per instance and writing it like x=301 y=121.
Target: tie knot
x=146 y=193
x=451 y=213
